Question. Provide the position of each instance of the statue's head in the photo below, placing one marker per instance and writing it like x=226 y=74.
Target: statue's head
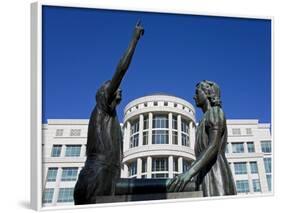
x=101 y=97
x=207 y=90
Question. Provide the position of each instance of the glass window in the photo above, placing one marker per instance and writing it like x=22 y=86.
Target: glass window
x=226 y=148
x=145 y=138
x=75 y=132
x=155 y=103
x=160 y=137
x=135 y=127
x=267 y=165
x=256 y=185
x=237 y=148
x=248 y=131
x=134 y=140
x=184 y=126
x=69 y=174
x=133 y=168
x=236 y=131
x=175 y=165
x=48 y=195
x=185 y=140
x=175 y=137
x=160 y=121
x=56 y=150
x=254 y=167
x=266 y=146
x=185 y=165
x=145 y=122
x=165 y=103
x=52 y=174
x=144 y=165
x=251 y=147
x=73 y=150
x=59 y=132
x=240 y=168
x=242 y=186
x=175 y=122
x=268 y=178
x=65 y=195
x=160 y=164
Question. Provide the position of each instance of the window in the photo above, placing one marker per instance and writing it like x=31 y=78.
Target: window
x=175 y=165
x=240 y=168
x=236 y=131
x=248 y=131
x=134 y=140
x=266 y=146
x=48 y=195
x=75 y=132
x=165 y=103
x=268 y=178
x=251 y=147
x=145 y=122
x=144 y=165
x=52 y=174
x=254 y=167
x=237 y=148
x=185 y=165
x=175 y=105
x=133 y=168
x=59 y=132
x=73 y=150
x=145 y=138
x=160 y=137
x=267 y=165
x=226 y=148
x=69 y=174
x=160 y=164
x=184 y=126
x=256 y=185
x=65 y=195
x=160 y=121
x=174 y=122
x=185 y=139
x=56 y=150
x=155 y=103
x=135 y=127
x=242 y=186
x=175 y=137
x=145 y=104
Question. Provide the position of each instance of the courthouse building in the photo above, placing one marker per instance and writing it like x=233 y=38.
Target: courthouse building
x=158 y=137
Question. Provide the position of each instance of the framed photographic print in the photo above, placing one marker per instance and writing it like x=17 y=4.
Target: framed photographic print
x=133 y=105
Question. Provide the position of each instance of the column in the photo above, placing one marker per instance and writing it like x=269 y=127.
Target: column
x=191 y=135
x=124 y=171
x=149 y=167
x=141 y=131
x=139 y=167
x=57 y=188
x=179 y=130
x=245 y=147
x=180 y=165
x=128 y=134
x=170 y=166
x=83 y=150
x=262 y=175
x=63 y=148
x=249 y=174
x=150 y=117
x=170 y=117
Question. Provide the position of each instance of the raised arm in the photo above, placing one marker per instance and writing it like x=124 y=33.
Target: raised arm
x=125 y=62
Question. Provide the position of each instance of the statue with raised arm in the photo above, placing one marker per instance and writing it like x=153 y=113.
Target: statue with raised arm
x=104 y=142
x=210 y=170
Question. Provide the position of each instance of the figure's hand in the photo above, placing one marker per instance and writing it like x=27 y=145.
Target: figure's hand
x=139 y=30
x=178 y=184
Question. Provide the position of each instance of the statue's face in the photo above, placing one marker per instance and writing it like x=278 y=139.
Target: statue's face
x=199 y=97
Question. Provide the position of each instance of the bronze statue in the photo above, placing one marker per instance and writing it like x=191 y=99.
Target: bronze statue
x=210 y=169
x=104 y=143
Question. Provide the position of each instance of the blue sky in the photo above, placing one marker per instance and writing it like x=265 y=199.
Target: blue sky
x=82 y=47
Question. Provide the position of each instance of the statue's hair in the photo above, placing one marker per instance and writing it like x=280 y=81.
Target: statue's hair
x=212 y=90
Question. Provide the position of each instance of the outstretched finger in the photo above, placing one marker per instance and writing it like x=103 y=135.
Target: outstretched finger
x=138 y=22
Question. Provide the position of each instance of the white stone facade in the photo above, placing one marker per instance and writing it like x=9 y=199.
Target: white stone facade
x=159 y=136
